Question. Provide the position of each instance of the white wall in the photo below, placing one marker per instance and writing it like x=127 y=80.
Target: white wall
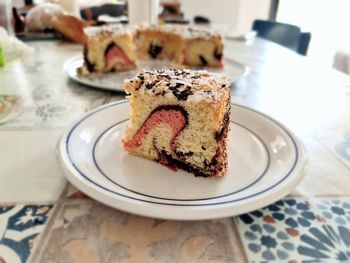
x=249 y=10
x=218 y=11
x=327 y=20
x=238 y=15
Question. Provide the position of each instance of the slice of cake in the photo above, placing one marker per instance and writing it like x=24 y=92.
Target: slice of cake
x=203 y=47
x=182 y=44
x=108 y=49
x=180 y=118
x=157 y=43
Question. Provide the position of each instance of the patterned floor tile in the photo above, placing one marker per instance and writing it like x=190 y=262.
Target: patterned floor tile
x=298 y=230
x=20 y=226
x=86 y=231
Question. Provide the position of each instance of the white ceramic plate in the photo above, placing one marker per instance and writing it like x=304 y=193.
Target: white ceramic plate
x=114 y=81
x=266 y=161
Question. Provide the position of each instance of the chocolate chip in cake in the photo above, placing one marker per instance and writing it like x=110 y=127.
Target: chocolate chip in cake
x=181 y=94
x=218 y=54
x=206 y=163
x=203 y=148
x=204 y=62
x=149 y=85
x=90 y=66
x=154 y=50
x=184 y=154
x=222 y=133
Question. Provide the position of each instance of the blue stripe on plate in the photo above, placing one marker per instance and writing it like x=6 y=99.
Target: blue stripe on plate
x=174 y=199
x=179 y=204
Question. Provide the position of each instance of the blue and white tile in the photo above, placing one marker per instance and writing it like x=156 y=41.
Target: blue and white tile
x=335 y=211
x=20 y=227
x=298 y=230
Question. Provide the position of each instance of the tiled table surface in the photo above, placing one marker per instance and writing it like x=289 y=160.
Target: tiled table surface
x=45 y=219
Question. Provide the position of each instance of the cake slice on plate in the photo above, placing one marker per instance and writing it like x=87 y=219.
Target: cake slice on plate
x=182 y=44
x=158 y=43
x=108 y=49
x=203 y=47
x=180 y=118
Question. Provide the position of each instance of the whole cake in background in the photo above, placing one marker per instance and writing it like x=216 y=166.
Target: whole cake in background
x=180 y=118
x=108 y=49
x=116 y=48
x=157 y=43
x=185 y=45
x=203 y=47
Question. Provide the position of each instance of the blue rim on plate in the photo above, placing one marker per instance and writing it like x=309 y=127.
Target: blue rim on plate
x=174 y=199
x=284 y=178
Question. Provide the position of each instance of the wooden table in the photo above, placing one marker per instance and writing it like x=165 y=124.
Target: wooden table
x=45 y=219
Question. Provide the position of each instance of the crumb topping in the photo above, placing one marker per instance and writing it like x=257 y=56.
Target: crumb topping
x=106 y=31
x=192 y=31
x=185 y=31
x=184 y=84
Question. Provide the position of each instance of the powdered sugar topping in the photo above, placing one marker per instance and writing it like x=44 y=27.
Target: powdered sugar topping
x=184 y=84
x=105 y=31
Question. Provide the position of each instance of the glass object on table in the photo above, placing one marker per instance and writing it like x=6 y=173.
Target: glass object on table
x=143 y=11
x=6 y=15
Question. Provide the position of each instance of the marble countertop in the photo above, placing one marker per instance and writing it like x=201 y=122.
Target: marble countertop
x=45 y=219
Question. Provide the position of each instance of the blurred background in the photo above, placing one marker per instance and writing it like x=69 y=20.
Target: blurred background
x=324 y=22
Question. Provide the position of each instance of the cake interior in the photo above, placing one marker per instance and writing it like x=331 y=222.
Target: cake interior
x=107 y=50
x=166 y=126
x=115 y=48
x=153 y=43
x=202 y=52
x=184 y=45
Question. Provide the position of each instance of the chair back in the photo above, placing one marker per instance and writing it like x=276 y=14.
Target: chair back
x=280 y=33
x=304 y=42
